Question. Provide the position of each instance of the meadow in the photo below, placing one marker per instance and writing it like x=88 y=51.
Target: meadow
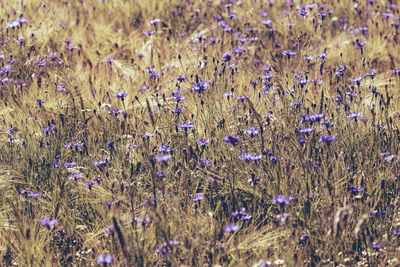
x=199 y=133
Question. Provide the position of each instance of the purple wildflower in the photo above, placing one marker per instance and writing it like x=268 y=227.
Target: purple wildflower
x=233 y=140
x=68 y=165
x=121 y=95
x=198 y=197
x=48 y=222
x=186 y=125
x=109 y=59
x=164 y=149
x=251 y=131
x=354 y=115
x=371 y=73
x=357 y=80
x=226 y=57
x=75 y=176
x=71 y=47
x=178 y=110
x=231 y=228
x=201 y=86
x=323 y=55
x=249 y=157
x=306 y=130
x=181 y=78
x=116 y=111
x=34 y=194
x=204 y=162
x=41 y=63
x=163 y=158
x=328 y=139
x=105 y=259
x=288 y=53
x=282 y=200
x=148 y=33
x=154 y=21
x=309 y=58
x=203 y=141
x=89 y=184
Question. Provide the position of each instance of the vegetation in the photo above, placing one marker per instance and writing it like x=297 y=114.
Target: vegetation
x=199 y=133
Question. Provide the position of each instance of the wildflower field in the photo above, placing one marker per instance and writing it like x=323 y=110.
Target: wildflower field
x=199 y=133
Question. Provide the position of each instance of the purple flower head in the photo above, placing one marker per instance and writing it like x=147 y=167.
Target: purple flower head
x=75 y=176
x=61 y=88
x=360 y=44
x=198 y=197
x=302 y=12
x=163 y=158
x=266 y=22
x=242 y=215
x=78 y=144
x=101 y=162
x=204 y=162
x=116 y=111
x=304 y=238
x=306 y=130
x=177 y=96
x=105 y=259
x=371 y=73
x=181 y=78
x=146 y=220
x=328 y=139
x=53 y=56
x=233 y=140
x=34 y=194
x=178 y=110
x=313 y=117
x=186 y=125
x=249 y=157
x=41 y=63
x=68 y=165
x=387 y=15
x=89 y=184
x=164 y=149
x=154 y=21
x=251 y=131
x=288 y=53
x=282 y=200
x=71 y=47
x=12 y=24
x=6 y=69
x=239 y=50
x=201 y=86
x=148 y=33
x=226 y=57
x=121 y=95
x=357 y=80
x=231 y=228
x=40 y=102
x=266 y=68
x=377 y=245
x=354 y=115
x=109 y=59
x=152 y=73
x=48 y=222
x=109 y=230
x=309 y=58
x=203 y=141
x=323 y=55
